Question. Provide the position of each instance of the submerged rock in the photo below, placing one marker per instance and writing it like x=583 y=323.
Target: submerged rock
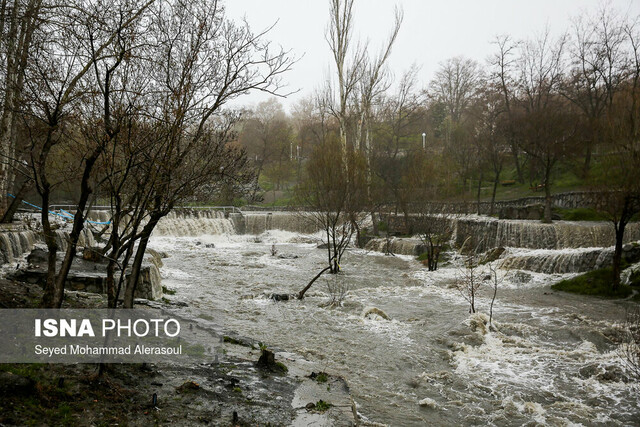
x=492 y=255
x=428 y=403
x=280 y=297
x=374 y=311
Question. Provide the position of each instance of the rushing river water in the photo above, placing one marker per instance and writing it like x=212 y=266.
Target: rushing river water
x=552 y=360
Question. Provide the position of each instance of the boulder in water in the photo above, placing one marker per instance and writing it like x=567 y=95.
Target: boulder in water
x=492 y=255
x=38 y=257
x=280 y=297
x=428 y=403
x=154 y=258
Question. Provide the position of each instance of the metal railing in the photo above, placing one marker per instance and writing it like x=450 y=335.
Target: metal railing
x=224 y=209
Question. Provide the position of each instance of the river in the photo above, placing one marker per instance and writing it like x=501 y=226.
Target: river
x=552 y=360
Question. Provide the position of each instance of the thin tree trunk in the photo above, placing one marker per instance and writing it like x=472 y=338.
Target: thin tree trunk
x=306 y=288
x=479 y=191
x=493 y=193
x=16 y=201
x=136 y=268
x=547 y=196
x=78 y=226
x=617 y=254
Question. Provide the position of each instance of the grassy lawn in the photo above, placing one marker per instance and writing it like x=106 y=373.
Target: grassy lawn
x=594 y=283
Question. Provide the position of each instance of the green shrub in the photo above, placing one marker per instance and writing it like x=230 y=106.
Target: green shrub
x=580 y=214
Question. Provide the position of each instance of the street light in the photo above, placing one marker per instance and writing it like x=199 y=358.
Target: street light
x=424 y=141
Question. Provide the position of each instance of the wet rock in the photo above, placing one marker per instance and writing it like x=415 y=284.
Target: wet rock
x=288 y=256
x=12 y=384
x=612 y=374
x=522 y=277
x=280 y=297
x=428 y=403
x=589 y=371
x=149 y=284
x=38 y=257
x=492 y=255
x=187 y=387
x=323 y=246
x=210 y=246
x=154 y=258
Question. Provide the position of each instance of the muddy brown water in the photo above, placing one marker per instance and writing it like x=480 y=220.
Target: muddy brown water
x=552 y=359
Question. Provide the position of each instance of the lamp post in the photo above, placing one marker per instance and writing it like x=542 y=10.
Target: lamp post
x=424 y=141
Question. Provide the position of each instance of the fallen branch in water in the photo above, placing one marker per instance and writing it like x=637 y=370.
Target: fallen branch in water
x=302 y=292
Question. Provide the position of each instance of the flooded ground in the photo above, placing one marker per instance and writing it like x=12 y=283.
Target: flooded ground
x=552 y=360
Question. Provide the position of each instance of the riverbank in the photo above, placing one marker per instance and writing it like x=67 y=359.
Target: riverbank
x=231 y=391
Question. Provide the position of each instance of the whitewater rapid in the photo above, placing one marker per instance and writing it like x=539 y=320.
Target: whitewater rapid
x=552 y=360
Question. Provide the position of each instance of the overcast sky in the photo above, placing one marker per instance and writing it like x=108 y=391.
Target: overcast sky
x=432 y=31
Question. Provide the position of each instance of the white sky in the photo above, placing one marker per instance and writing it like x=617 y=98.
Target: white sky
x=432 y=31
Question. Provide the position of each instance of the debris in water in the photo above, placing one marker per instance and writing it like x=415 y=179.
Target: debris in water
x=374 y=310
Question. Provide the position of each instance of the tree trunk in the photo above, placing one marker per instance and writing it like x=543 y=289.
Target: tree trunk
x=587 y=160
x=306 y=288
x=617 y=255
x=493 y=194
x=516 y=161
x=15 y=203
x=52 y=247
x=479 y=191
x=547 y=197
x=137 y=261
x=78 y=226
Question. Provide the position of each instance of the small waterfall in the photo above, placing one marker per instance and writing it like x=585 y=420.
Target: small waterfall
x=560 y=262
x=15 y=243
x=258 y=223
x=396 y=246
x=487 y=233
x=85 y=239
x=99 y=216
x=194 y=223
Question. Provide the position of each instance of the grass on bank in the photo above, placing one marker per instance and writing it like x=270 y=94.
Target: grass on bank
x=595 y=283
x=580 y=214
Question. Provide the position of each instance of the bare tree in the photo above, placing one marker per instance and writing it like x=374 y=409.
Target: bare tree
x=455 y=86
x=334 y=193
x=19 y=20
x=502 y=75
x=348 y=61
x=73 y=44
x=469 y=280
x=545 y=125
x=619 y=184
x=630 y=347
x=203 y=61
x=598 y=65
